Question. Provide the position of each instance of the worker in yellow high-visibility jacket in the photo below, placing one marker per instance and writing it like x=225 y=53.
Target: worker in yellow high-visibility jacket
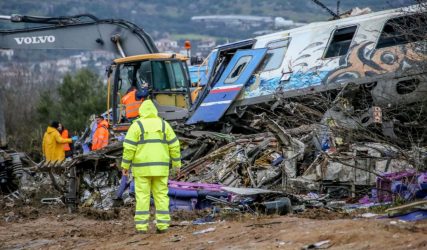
x=150 y=148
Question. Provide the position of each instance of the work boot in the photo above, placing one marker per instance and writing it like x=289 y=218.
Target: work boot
x=141 y=231
x=161 y=231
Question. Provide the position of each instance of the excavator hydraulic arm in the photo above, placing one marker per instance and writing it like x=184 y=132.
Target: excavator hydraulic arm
x=82 y=32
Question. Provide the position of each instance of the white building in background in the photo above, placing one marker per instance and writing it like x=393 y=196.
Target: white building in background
x=100 y=55
x=77 y=61
x=244 y=22
x=167 y=45
x=63 y=65
x=6 y=53
x=205 y=46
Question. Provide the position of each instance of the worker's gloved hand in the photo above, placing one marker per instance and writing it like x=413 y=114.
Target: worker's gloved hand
x=74 y=138
x=125 y=172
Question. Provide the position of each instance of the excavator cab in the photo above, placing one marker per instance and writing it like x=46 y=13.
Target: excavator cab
x=168 y=83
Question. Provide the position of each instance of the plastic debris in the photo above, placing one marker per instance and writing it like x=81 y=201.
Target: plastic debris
x=207 y=230
x=368 y=215
x=318 y=245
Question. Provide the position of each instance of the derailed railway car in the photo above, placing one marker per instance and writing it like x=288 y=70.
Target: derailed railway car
x=341 y=69
x=381 y=55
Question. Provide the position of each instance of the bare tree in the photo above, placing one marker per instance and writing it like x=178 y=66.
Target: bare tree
x=20 y=91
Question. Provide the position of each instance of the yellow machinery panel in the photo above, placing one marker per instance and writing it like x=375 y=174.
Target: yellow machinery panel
x=167 y=100
x=172 y=100
x=181 y=101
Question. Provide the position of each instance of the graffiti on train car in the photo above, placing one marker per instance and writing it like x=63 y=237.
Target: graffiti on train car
x=365 y=61
x=362 y=61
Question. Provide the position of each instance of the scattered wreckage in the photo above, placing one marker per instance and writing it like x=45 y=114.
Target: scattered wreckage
x=11 y=170
x=301 y=133
x=281 y=170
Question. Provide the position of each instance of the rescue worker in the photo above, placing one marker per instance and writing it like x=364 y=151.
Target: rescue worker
x=150 y=147
x=53 y=143
x=65 y=135
x=100 y=137
x=133 y=99
x=132 y=103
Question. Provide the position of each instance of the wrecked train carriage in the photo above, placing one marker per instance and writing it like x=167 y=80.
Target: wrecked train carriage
x=375 y=58
x=308 y=63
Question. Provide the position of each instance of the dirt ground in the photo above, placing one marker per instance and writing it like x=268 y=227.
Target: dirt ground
x=50 y=228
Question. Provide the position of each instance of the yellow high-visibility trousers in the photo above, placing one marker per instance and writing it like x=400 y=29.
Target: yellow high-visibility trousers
x=158 y=185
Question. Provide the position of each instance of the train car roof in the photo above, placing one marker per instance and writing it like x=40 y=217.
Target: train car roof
x=343 y=21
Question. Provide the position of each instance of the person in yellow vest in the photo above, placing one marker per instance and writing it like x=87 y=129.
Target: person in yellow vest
x=150 y=148
x=53 y=143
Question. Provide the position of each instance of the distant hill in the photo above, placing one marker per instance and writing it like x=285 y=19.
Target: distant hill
x=173 y=16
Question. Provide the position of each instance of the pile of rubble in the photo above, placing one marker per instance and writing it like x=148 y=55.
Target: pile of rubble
x=284 y=160
x=318 y=157
x=289 y=150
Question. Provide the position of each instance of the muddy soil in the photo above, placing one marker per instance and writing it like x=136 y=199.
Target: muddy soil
x=53 y=228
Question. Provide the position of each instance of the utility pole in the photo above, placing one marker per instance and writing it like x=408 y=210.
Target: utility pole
x=335 y=15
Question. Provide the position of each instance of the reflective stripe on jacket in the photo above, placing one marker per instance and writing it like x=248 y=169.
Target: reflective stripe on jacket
x=150 y=145
x=131 y=104
x=65 y=135
x=100 y=138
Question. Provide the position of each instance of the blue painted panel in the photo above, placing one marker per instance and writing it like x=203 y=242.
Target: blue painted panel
x=297 y=81
x=197 y=74
x=223 y=94
x=211 y=62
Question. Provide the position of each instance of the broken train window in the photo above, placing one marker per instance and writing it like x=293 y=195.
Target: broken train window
x=275 y=54
x=340 y=42
x=402 y=30
x=238 y=69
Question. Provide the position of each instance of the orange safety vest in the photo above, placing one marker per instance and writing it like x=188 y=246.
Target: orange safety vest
x=64 y=135
x=100 y=137
x=131 y=104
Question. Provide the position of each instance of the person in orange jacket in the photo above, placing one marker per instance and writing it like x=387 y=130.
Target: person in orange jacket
x=100 y=138
x=65 y=135
x=133 y=99
x=132 y=103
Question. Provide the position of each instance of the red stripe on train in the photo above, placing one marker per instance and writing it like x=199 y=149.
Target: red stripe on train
x=225 y=90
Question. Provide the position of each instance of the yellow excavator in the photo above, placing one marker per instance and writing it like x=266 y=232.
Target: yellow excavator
x=138 y=63
x=138 y=59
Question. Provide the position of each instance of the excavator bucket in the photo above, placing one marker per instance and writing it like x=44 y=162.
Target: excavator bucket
x=229 y=86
